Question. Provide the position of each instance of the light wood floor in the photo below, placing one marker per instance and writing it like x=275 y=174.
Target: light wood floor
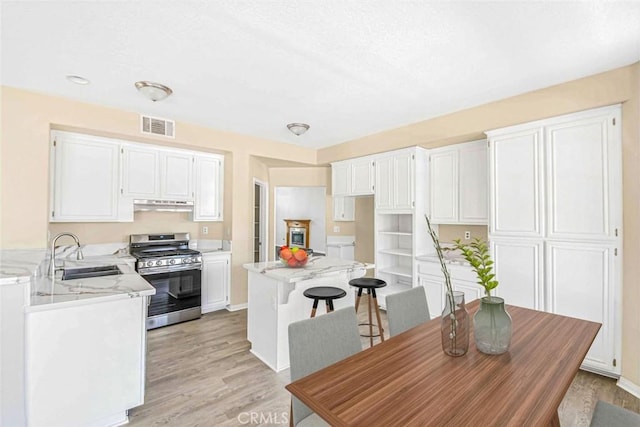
x=200 y=373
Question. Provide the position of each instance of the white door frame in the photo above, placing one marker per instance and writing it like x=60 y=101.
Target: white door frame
x=264 y=216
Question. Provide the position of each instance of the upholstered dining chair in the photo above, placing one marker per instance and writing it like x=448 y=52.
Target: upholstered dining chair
x=607 y=415
x=315 y=344
x=407 y=309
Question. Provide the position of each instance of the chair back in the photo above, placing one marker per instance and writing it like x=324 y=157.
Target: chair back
x=319 y=342
x=407 y=309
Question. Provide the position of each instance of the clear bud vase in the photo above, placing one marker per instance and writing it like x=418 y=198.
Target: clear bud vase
x=455 y=325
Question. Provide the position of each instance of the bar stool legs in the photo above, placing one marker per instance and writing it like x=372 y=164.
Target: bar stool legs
x=371 y=297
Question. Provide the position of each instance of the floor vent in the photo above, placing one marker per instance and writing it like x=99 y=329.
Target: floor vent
x=157 y=126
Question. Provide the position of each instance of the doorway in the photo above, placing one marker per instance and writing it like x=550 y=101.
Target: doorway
x=260 y=220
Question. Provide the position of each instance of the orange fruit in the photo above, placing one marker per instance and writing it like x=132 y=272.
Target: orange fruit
x=292 y=262
x=300 y=255
x=285 y=253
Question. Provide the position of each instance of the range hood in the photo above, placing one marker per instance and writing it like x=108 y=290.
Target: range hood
x=163 y=205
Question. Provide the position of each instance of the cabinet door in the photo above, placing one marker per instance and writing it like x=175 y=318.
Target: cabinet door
x=140 y=172
x=208 y=189
x=444 y=187
x=215 y=282
x=581 y=283
x=584 y=177
x=472 y=184
x=176 y=174
x=384 y=170
x=362 y=176
x=519 y=271
x=340 y=179
x=343 y=208
x=86 y=182
x=403 y=180
x=516 y=189
x=434 y=288
x=471 y=290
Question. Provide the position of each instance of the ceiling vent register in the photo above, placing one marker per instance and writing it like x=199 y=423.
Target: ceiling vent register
x=157 y=126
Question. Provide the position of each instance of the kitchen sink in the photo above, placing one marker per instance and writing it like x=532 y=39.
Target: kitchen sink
x=87 y=272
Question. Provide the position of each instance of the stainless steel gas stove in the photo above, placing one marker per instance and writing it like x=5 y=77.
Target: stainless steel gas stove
x=168 y=264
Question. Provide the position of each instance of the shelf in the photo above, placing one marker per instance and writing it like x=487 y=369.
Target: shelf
x=396 y=233
x=397 y=251
x=398 y=270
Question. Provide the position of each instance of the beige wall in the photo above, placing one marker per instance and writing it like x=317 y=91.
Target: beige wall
x=364 y=231
x=448 y=233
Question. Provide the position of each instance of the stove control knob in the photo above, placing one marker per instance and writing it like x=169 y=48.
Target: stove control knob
x=173 y=261
x=187 y=260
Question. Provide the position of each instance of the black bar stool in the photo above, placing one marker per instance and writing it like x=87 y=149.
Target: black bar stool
x=326 y=293
x=370 y=284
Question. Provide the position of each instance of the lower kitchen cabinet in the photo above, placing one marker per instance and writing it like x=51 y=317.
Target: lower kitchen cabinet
x=85 y=364
x=462 y=279
x=216 y=275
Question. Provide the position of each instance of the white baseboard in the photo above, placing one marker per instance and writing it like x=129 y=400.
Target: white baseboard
x=629 y=386
x=237 y=307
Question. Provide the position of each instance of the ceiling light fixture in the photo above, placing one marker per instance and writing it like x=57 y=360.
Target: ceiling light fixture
x=78 y=80
x=153 y=91
x=298 y=128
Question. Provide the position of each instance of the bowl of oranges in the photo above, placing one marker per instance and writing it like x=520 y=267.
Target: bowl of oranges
x=293 y=257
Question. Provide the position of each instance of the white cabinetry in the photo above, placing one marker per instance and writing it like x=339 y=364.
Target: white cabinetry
x=208 y=188
x=152 y=173
x=343 y=208
x=140 y=172
x=353 y=177
x=399 y=218
x=215 y=281
x=556 y=208
x=458 y=184
x=85 y=365
x=462 y=279
x=395 y=180
x=85 y=178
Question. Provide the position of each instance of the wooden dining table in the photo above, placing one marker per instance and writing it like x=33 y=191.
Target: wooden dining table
x=409 y=381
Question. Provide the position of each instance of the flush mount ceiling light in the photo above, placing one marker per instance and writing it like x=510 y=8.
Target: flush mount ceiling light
x=153 y=91
x=298 y=128
x=78 y=80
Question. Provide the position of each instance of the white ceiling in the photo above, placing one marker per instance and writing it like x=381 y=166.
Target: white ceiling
x=347 y=68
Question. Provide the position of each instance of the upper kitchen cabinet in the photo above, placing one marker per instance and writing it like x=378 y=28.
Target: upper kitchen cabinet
x=353 y=177
x=343 y=208
x=209 y=188
x=396 y=179
x=459 y=183
x=152 y=173
x=85 y=179
x=558 y=178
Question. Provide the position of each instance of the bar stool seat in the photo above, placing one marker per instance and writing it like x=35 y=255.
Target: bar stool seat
x=326 y=293
x=370 y=284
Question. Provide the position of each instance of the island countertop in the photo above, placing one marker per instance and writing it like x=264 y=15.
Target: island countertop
x=316 y=266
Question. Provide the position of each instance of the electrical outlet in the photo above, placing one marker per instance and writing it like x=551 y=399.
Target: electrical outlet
x=205 y=230
x=467 y=235
x=336 y=228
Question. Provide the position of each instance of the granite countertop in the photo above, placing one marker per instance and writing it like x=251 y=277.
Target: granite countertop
x=49 y=293
x=448 y=259
x=316 y=266
x=341 y=244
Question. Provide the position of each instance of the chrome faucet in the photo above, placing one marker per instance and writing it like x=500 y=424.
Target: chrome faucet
x=52 y=260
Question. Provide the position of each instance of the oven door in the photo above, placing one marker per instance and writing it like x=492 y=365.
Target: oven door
x=175 y=291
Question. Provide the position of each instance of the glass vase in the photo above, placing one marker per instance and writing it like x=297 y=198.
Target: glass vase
x=492 y=326
x=455 y=325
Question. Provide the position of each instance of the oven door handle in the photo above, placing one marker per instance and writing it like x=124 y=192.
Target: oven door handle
x=170 y=269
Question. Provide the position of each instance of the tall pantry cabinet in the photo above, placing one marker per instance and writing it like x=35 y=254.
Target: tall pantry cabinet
x=556 y=218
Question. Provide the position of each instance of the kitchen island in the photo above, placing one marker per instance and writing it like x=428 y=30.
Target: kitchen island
x=276 y=299
x=79 y=344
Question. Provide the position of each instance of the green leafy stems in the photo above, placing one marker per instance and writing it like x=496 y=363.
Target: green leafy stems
x=477 y=254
